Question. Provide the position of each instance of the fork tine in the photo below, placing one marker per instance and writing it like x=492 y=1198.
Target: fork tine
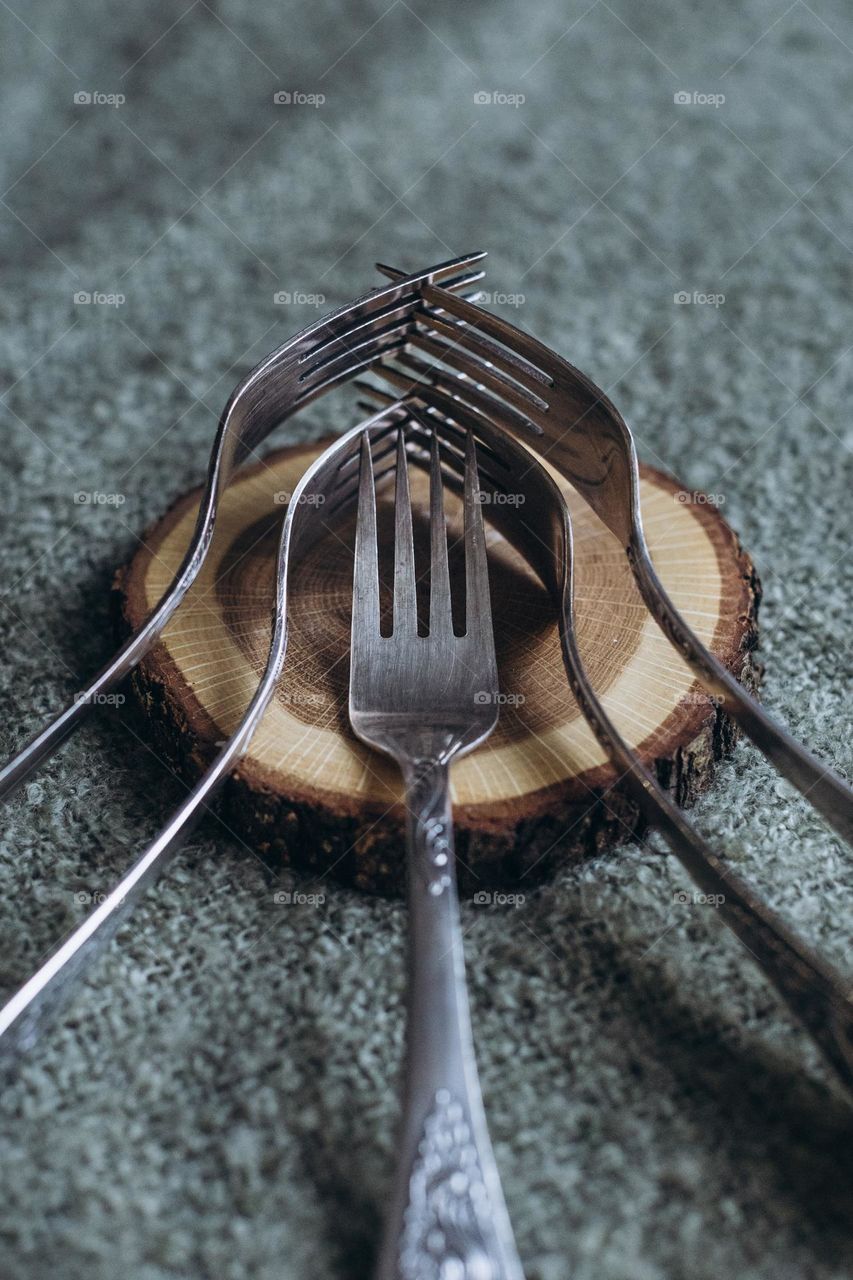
x=456 y=414
x=423 y=385
x=483 y=321
x=458 y=284
x=353 y=352
x=515 y=392
x=440 y=613
x=375 y=323
x=365 y=586
x=452 y=434
x=422 y=422
x=454 y=265
x=467 y=389
x=381 y=446
x=390 y=330
x=478 y=610
x=405 y=595
x=372 y=313
x=442 y=271
x=461 y=334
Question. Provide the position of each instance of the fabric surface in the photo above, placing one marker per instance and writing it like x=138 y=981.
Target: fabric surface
x=220 y=1099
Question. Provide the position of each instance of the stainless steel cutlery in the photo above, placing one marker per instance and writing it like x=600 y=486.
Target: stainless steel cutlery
x=331 y=351
x=511 y=379
x=425 y=700
x=470 y=393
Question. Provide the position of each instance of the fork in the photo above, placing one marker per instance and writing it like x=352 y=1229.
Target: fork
x=331 y=351
x=425 y=700
x=328 y=486
x=328 y=352
x=511 y=379
x=815 y=991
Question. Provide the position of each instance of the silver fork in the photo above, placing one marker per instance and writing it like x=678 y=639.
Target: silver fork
x=312 y=362
x=331 y=351
x=425 y=700
x=817 y=994
x=328 y=487
x=518 y=383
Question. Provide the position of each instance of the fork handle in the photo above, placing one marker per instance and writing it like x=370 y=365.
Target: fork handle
x=824 y=789
x=447 y=1210
x=30 y=1010
x=815 y=992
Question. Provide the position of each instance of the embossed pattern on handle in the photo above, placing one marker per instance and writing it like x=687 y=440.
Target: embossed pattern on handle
x=448 y=1216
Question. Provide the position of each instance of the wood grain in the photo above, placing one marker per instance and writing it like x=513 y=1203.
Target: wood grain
x=540 y=791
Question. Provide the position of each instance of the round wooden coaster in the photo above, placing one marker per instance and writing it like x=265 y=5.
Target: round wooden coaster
x=540 y=790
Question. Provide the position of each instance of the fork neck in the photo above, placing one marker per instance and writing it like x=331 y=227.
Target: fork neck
x=447 y=1213
x=430 y=825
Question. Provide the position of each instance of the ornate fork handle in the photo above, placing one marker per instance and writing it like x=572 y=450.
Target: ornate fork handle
x=447 y=1203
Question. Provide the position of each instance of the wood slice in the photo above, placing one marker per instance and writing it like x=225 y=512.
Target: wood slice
x=540 y=790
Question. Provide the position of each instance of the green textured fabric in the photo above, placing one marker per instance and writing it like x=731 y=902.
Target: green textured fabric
x=220 y=1100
